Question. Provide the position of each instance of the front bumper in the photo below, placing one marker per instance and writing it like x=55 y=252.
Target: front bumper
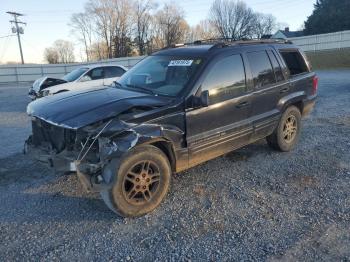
x=63 y=162
x=88 y=174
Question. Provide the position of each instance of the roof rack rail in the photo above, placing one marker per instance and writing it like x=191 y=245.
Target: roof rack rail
x=222 y=42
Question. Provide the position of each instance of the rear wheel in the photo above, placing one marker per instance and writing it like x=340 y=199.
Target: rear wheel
x=141 y=183
x=286 y=135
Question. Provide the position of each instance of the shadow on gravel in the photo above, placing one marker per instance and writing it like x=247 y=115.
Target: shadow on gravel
x=54 y=208
x=20 y=168
x=244 y=154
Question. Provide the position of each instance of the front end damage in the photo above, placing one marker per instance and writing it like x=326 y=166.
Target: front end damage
x=93 y=152
x=90 y=132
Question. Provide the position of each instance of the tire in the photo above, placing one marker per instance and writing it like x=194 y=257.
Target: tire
x=287 y=133
x=141 y=182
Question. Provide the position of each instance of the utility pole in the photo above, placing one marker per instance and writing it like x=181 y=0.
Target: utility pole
x=18 y=30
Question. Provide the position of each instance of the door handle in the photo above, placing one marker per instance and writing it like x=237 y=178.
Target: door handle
x=242 y=104
x=284 y=90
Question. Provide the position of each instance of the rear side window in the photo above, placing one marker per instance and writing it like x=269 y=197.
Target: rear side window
x=295 y=62
x=113 y=71
x=261 y=67
x=226 y=79
x=276 y=67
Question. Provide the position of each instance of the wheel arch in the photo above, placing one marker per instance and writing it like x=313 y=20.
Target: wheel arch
x=294 y=99
x=167 y=148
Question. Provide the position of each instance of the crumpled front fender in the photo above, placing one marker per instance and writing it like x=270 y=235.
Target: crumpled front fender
x=113 y=148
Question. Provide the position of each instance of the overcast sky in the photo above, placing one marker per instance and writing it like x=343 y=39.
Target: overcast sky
x=48 y=21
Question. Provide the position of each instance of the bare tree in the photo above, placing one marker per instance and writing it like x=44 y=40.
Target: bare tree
x=143 y=21
x=264 y=25
x=113 y=21
x=204 y=30
x=123 y=27
x=102 y=17
x=170 y=26
x=232 y=19
x=99 y=51
x=82 y=26
x=65 y=51
x=114 y=28
x=51 y=55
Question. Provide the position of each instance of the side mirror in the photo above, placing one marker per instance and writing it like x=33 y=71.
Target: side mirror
x=199 y=101
x=204 y=98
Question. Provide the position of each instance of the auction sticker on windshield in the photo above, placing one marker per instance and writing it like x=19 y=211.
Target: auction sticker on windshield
x=180 y=63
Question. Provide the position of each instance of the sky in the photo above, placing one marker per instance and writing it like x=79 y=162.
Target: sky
x=47 y=21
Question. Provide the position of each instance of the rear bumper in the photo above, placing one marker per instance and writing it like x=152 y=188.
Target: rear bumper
x=308 y=105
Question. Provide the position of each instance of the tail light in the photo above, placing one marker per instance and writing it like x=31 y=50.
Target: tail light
x=314 y=85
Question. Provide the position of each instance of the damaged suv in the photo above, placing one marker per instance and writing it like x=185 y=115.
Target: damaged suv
x=175 y=109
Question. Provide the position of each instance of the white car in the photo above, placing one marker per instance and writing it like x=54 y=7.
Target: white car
x=84 y=77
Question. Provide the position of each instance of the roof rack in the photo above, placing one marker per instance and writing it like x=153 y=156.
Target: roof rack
x=224 y=42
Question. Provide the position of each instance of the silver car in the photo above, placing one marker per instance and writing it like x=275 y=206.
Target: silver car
x=88 y=76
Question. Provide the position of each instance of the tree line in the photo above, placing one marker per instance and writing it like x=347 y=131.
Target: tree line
x=119 y=28
x=328 y=16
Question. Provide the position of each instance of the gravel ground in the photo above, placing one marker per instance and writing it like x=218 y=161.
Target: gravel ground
x=252 y=204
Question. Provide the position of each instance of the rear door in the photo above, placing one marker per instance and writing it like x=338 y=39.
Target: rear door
x=224 y=124
x=269 y=84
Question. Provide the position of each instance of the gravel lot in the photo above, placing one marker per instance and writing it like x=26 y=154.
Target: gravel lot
x=252 y=204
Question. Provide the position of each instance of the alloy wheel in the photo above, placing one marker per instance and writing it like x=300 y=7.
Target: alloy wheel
x=141 y=182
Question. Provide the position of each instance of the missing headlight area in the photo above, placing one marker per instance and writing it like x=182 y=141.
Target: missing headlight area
x=85 y=151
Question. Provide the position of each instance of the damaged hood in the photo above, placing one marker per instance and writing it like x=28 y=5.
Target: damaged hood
x=78 y=109
x=45 y=82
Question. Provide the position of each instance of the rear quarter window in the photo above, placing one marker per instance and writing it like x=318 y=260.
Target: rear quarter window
x=113 y=71
x=295 y=62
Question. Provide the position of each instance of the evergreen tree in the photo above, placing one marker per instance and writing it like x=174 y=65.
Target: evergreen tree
x=328 y=16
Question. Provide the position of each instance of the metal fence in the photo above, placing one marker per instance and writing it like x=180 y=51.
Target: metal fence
x=28 y=73
x=31 y=72
x=338 y=40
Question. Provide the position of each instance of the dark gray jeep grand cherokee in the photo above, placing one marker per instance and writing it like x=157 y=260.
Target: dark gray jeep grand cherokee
x=175 y=109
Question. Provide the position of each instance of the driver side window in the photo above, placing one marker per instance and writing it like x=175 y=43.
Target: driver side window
x=226 y=79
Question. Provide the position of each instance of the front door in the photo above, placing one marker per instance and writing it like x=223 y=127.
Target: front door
x=224 y=125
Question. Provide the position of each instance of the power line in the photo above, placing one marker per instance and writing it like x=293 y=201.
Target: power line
x=6 y=36
x=6 y=45
x=18 y=30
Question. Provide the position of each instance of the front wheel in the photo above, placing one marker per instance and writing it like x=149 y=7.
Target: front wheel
x=141 y=182
x=286 y=135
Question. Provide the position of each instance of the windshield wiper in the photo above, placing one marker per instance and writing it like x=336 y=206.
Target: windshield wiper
x=142 y=88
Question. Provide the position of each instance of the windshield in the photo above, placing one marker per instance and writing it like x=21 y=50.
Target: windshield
x=75 y=74
x=161 y=75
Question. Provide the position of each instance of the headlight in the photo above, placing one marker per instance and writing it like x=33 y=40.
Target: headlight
x=45 y=92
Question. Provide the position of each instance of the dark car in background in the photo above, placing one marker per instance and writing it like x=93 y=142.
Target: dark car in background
x=175 y=109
